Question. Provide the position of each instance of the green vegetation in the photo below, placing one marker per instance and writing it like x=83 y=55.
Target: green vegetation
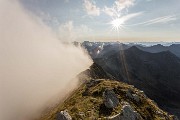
x=87 y=103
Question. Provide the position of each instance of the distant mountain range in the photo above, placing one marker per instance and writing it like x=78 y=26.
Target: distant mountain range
x=97 y=49
x=175 y=49
x=154 y=69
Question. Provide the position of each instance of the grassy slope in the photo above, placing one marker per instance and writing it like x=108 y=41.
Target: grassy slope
x=91 y=104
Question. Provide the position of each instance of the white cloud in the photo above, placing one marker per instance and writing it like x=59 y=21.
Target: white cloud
x=130 y=16
x=109 y=11
x=118 y=7
x=36 y=69
x=118 y=15
x=159 y=20
x=69 y=32
x=123 y=4
x=91 y=8
x=163 y=20
x=119 y=23
x=47 y=18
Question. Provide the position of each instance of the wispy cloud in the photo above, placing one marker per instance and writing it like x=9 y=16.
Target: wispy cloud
x=132 y=15
x=159 y=20
x=118 y=7
x=91 y=8
x=162 y=20
x=123 y=4
x=69 y=32
x=119 y=23
x=125 y=18
x=120 y=17
x=109 y=11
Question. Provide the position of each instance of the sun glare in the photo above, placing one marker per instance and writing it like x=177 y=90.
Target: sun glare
x=117 y=24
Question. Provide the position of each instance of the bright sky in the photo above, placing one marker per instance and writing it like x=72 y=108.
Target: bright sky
x=110 y=20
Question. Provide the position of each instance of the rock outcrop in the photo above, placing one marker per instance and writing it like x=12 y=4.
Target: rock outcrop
x=110 y=99
x=127 y=114
x=107 y=99
x=63 y=115
x=132 y=96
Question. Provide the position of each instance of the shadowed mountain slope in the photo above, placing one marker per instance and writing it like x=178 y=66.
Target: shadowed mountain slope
x=106 y=99
x=174 y=48
x=157 y=74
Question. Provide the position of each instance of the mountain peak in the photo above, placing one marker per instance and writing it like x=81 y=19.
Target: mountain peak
x=133 y=48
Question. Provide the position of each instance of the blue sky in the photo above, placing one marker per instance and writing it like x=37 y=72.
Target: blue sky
x=110 y=20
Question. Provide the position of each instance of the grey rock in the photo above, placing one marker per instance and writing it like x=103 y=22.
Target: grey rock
x=130 y=95
x=63 y=115
x=136 y=97
x=110 y=99
x=175 y=118
x=127 y=114
x=92 y=82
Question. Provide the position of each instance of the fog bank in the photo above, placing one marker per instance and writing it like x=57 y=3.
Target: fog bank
x=34 y=66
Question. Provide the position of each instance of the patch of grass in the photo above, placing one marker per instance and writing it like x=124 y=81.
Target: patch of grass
x=91 y=104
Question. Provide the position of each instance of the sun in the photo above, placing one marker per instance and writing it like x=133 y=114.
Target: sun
x=117 y=23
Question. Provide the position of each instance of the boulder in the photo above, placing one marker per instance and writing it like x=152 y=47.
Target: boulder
x=63 y=115
x=130 y=95
x=110 y=99
x=127 y=114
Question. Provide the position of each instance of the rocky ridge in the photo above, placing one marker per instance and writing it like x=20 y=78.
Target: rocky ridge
x=104 y=99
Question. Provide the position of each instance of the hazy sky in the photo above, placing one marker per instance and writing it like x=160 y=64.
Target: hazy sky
x=104 y=20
